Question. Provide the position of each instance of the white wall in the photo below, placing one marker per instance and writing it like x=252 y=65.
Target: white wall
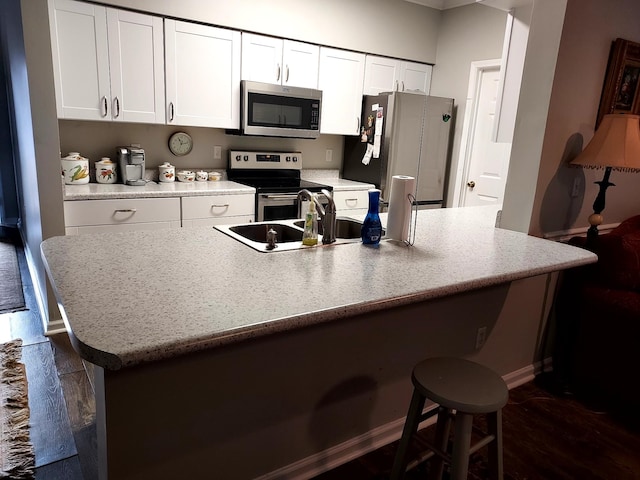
x=467 y=34
x=394 y=28
x=590 y=27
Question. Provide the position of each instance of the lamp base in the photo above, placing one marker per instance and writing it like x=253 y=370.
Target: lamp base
x=595 y=218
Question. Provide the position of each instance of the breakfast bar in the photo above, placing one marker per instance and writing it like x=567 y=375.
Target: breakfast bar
x=214 y=360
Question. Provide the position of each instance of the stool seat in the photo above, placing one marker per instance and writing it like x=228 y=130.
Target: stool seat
x=460 y=384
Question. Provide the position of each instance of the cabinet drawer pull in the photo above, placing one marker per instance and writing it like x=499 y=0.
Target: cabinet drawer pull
x=105 y=106
x=224 y=205
x=126 y=210
x=351 y=200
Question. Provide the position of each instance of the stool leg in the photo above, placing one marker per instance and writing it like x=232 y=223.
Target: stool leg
x=442 y=438
x=461 y=446
x=410 y=427
x=494 y=423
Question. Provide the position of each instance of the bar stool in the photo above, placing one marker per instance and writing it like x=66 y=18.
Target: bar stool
x=467 y=388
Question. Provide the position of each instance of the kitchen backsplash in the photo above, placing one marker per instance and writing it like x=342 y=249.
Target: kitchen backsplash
x=100 y=139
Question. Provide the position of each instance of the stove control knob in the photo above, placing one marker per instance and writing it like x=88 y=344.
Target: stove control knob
x=246 y=158
x=238 y=158
x=288 y=158
x=295 y=159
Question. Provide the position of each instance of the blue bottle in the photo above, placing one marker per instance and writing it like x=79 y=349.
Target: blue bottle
x=372 y=227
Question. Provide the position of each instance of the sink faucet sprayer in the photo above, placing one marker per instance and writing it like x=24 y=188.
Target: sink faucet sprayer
x=327 y=214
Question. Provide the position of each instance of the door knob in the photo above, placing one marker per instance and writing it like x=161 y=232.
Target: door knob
x=471 y=184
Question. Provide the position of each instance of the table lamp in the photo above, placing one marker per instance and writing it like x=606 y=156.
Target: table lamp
x=614 y=146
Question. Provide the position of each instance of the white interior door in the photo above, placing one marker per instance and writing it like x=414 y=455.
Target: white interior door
x=486 y=162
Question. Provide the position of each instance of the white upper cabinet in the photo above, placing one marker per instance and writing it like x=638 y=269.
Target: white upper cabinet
x=80 y=60
x=283 y=62
x=136 y=69
x=202 y=75
x=391 y=75
x=341 y=78
x=415 y=77
x=108 y=64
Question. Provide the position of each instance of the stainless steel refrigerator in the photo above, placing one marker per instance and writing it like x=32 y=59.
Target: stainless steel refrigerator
x=402 y=134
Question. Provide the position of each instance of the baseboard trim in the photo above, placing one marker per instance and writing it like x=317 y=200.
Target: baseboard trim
x=378 y=437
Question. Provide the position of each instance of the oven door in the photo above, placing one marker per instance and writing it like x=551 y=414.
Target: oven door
x=281 y=206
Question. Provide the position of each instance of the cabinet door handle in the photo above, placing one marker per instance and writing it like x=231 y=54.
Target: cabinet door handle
x=403 y=86
x=397 y=86
x=357 y=125
x=278 y=74
x=116 y=107
x=287 y=79
x=105 y=106
x=126 y=210
x=171 y=111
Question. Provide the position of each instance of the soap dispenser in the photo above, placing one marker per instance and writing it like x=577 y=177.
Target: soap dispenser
x=310 y=234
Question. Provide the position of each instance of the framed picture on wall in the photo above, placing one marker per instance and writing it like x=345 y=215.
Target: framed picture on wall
x=621 y=90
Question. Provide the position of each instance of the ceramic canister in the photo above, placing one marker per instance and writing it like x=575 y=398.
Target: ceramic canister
x=202 y=176
x=75 y=169
x=166 y=172
x=106 y=171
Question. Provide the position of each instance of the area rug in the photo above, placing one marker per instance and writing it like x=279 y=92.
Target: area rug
x=17 y=457
x=11 y=297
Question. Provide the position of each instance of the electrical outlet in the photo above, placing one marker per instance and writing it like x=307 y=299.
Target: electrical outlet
x=217 y=152
x=328 y=155
x=481 y=337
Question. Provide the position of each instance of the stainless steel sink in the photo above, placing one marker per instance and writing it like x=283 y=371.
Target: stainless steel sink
x=289 y=233
x=257 y=232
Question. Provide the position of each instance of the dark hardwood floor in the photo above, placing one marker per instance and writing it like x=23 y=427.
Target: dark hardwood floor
x=546 y=436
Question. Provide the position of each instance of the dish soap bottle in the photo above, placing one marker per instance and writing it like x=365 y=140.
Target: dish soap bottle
x=310 y=234
x=372 y=227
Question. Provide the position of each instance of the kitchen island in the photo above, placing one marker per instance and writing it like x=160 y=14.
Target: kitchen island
x=214 y=360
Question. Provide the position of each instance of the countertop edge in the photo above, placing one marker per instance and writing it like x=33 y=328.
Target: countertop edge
x=294 y=322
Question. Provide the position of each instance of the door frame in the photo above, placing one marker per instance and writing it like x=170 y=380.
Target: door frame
x=468 y=126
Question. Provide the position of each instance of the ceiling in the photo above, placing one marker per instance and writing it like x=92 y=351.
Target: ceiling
x=442 y=4
x=447 y=4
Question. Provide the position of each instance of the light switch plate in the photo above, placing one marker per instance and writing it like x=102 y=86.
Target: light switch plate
x=217 y=152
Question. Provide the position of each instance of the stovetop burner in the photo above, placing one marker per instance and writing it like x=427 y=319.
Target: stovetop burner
x=270 y=172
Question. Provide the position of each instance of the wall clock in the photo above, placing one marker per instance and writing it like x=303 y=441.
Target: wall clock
x=180 y=143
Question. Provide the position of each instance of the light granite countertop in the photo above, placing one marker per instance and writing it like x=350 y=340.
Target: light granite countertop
x=153 y=189
x=101 y=191
x=169 y=292
x=332 y=178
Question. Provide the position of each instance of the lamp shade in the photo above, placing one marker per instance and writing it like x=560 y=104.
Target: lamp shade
x=616 y=144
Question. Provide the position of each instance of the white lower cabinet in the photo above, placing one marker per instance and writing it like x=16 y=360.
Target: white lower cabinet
x=351 y=202
x=217 y=210
x=117 y=215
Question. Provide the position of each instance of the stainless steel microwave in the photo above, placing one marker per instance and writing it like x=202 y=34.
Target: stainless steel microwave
x=271 y=110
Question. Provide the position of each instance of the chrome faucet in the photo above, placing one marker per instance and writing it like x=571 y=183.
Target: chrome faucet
x=327 y=215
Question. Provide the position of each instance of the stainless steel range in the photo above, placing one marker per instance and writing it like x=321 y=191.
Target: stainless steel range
x=276 y=178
